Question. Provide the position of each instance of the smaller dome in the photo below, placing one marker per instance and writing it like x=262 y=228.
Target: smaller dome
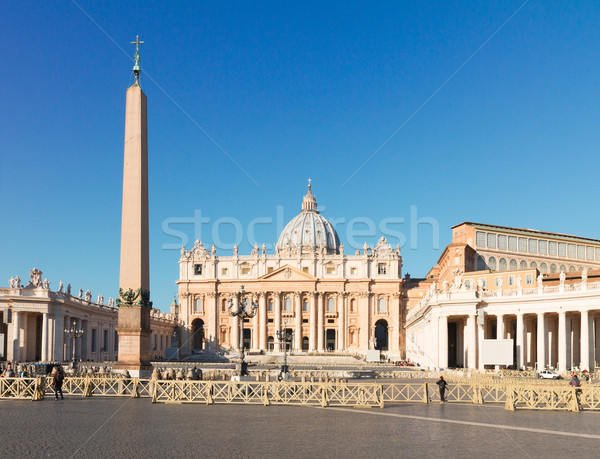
x=309 y=230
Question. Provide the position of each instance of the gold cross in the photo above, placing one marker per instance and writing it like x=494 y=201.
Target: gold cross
x=137 y=43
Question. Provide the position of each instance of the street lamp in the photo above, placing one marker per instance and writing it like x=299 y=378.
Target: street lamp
x=74 y=333
x=242 y=311
x=285 y=337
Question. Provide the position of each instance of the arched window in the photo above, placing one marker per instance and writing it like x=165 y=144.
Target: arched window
x=352 y=305
x=552 y=268
x=502 y=264
x=563 y=268
x=330 y=305
x=492 y=263
x=288 y=303
x=381 y=306
x=270 y=305
x=571 y=268
x=198 y=306
x=480 y=263
x=523 y=264
x=513 y=265
x=533 y=265
x=544 y=268
x=223 y=305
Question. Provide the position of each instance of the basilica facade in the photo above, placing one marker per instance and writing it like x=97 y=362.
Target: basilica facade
x=329 y=300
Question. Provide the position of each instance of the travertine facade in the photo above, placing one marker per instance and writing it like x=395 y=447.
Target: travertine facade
x=331 y=300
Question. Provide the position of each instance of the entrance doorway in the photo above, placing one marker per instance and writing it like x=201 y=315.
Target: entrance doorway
x=305 y=344
x=247 y=338
x=452 y=347
x=197 y=335
x=330 y=340
x=381 y=335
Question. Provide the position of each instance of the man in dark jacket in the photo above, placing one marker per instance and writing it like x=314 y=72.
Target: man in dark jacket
x=442 y=385
x=57 y=382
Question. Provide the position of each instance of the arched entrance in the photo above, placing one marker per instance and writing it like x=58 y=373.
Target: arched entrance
x=197 y=335
x=330 y=340
x=247 y=338
x=381 y=335
x=270 y=343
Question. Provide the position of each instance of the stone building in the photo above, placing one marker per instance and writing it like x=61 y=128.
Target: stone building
x=34 y=320
x=331 y=300
x=538 y=288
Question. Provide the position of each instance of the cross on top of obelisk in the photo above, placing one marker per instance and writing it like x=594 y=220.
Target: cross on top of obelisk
x=136 y=65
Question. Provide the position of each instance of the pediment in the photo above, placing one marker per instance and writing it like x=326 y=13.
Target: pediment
x=288 y=273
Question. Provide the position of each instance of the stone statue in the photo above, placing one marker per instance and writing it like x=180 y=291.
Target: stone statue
x=80 y=293
x=540 y=281
x=519 y=282
x=17 y=282
x=235 y=250
x=500 y=283
x=11 y=282
x=372 y=342
x=584 y=275
x=46 y=284
x=445 y=286
x=365 y=249
x=182 y=250
x=264 y=249
x=213 y=250
x=357 y=252
x=255 y=250
x=68 y=289
x=36 y=278
x=88 y=295
x=100 y=299
x=60 y=286
x=111 y=303
x=563 y=276
x=342 y=249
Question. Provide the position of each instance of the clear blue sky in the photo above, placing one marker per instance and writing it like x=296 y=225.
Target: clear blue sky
x=292 y=91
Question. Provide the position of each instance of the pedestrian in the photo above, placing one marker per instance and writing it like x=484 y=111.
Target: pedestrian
x=577 y=385
x=23 y=373
x=8 y=373
x=442 y=385
x=57 y=382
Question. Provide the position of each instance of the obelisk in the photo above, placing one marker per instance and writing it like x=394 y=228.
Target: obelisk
x=134 y=279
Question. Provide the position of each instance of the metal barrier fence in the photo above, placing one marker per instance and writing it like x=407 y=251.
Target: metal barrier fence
x=22 y=388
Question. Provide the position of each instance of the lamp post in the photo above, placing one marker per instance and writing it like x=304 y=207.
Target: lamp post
x=74 y=333
x=285 y=337
x=244 y=310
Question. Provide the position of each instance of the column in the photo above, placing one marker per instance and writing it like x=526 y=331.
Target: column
x=298 y=322
x=255 y=327
x=320 y=328
x=234 y=336
x=276 y=344
x=313 y=322
x=562 y=341
x=59 y=336
x=472 y=342
x=45 y=337
x=443 y=342
x=585 y=341
x=212 y=325
x=262 y=312
x=499 y=326
x=520 y=341
x=480 y=336
x=541 y=341
x=341 y=306
x=364 y=314
x=16 y=335
x=395 y=318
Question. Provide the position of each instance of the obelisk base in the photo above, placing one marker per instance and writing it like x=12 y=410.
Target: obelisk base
x=134 y=341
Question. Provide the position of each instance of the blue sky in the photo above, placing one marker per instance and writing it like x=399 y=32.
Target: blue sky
x=292 y=91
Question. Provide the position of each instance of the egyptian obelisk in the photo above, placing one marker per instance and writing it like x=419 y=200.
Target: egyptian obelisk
x=134 y=279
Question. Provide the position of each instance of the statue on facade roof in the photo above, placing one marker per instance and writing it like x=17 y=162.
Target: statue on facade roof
x=584 y=275
x=60 y=287
x=255 y=250
x=80 y=294
x=540 y=281
x=88 y=295
x=213 y=250
x=36 y=278
x=100 y=299
x=563 y=277
x=182 y=250
x=264 y=249
x=46 y=284
x=519 y=282
x=111 y=303
x=235 y=250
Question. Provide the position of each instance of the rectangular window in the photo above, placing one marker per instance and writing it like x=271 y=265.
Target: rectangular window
x=381 y=268
x=497 y=281
x=305 y=306
x=305 y=269
x=330 y=270
x=511 y=280
x=502 y=242
x=270 y=306
x=198 y=270
x=543 y=247
x=512 y=243
x=224 y=271
x=198 y=306
x=581 y=252
x=270 y=269
x=245 y=270
x=105 y=345
x=353 y=270
x=529 y=279
x=533 y=245
x=484 y=283
x=522 y=244
x=597 y=253
x=468 y=284
x=491 y=241
x=552 y=248
x=381 y=306
x=589 y=253
x=480 y=239
x=287 y=304
x=562 y=249
x=571 y=250
x=94 y=340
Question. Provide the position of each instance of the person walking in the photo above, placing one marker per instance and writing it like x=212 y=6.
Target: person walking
x=57 y=382
x=577 y=385
x=442 y=385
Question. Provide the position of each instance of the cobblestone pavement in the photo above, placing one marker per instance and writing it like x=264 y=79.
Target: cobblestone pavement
x=122 y=427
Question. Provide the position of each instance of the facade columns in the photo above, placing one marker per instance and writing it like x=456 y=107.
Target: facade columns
x=45 y=337
x=562 y=341
x=212 y=325
x=520 y=341
x=320 y=328
x=395 y=315
x=443 y=342
x=472 y=342
x=234 y=336
x=262 y=312
x=298 y=322
x=59 y=337
x=312 y=345
x=364 y=311
x=16 y=335
x=276 y=343
x=585 y=341
x=499 y=326
x=480 y=337
x=341 y=305
x=541 y=341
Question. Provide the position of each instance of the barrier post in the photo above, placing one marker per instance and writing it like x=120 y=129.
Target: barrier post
x=87 y=388
x=426 y=393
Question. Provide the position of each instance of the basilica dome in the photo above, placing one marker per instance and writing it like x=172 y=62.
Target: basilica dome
x=309 y=230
